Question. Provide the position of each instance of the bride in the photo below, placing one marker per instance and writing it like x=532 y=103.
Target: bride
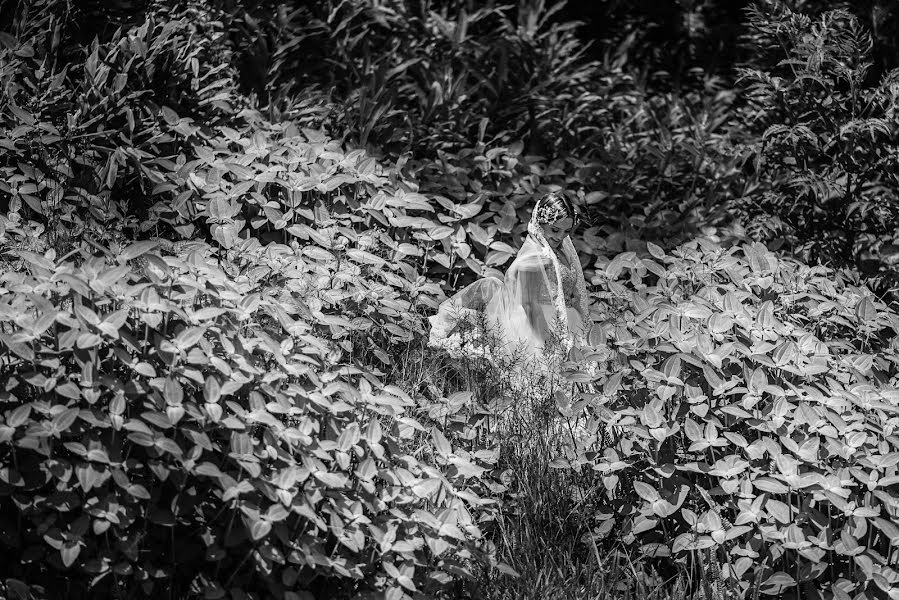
x=533 y=316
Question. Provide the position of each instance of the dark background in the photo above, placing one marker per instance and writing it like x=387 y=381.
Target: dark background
x=676 y=36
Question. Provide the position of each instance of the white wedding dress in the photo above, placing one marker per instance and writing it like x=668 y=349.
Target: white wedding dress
x=526 y=324
x=530 y=319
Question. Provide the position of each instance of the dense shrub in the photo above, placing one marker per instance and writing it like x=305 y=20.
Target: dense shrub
x=671 y=167
x=86 y=127
x=670 y=39
x=491 y=108
x=251 y=384
x=660 y=161
x=158 y=127
x=484 y=108
x=316 y=238
x=754 y=406
x=406 y=77
x=824 y=139
x=203 y=429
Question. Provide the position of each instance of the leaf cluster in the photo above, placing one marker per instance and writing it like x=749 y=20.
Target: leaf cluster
x=823 y=146
x=752 y=414
x=169 y=424
x=85 y=128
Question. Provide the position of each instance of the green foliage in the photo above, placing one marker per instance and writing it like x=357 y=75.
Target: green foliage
x=488 y=109
x=231 y=405
x=122 y=167
x=672 y=166
x=86 y=128
x=407 y=77
x=880 y=17
x=753 y=411
x=195 y=428
x=824 y=138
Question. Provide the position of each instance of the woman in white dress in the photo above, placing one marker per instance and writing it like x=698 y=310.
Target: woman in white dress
x=530 y=319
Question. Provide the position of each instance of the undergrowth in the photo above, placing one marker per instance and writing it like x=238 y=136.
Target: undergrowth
x=214 y=379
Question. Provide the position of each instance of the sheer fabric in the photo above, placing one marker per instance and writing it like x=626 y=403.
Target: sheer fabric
x=539 y=308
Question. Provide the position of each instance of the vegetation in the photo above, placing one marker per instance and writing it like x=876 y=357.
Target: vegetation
x=222 y=228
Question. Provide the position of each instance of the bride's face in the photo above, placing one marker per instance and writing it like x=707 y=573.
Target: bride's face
x=556 y=232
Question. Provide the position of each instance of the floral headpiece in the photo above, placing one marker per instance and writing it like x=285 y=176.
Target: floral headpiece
x=547 y=211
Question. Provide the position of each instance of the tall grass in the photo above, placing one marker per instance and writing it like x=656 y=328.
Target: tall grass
x=544 y=530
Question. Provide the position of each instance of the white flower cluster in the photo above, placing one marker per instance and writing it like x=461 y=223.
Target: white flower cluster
x=458 y=346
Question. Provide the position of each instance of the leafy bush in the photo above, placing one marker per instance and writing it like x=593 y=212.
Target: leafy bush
x=186 y=136
x=402 y=77
x=671 y=167
x=309 y=175
x=199 y=428
x=345 y=300
x=825 y=140
x=877 y=16
x=753 y=409
x=79 y=178
x=87 y=127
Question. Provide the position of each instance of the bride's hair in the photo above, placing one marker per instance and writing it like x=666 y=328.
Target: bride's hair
x=555 y=207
